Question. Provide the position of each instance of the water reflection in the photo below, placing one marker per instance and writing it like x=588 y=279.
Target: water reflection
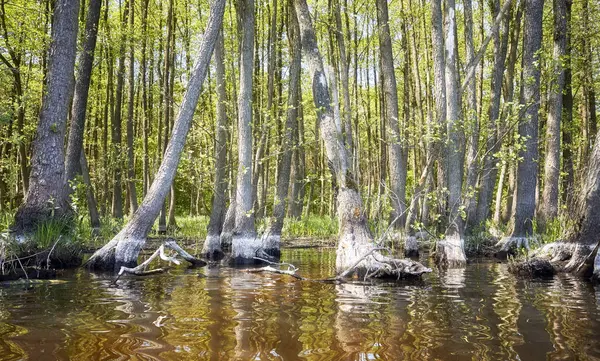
x=478 y=313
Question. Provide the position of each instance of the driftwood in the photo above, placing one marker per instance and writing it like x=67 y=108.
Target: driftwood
x=140 y=270
x=292 y=270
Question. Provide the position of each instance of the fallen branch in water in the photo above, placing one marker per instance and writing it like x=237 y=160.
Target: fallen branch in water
x=140 y=270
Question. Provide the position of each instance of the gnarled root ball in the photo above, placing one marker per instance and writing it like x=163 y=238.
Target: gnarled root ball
x=535 y=267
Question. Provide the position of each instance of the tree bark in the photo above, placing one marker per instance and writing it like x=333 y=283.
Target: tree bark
x=245 y=243
x=450 y=251
x=212 y=244
x=117 y=201
x=549 y=206
x=567 y=128
x=397 y=160
x=82 y=87
x=46 y=198
x=471 y=122
x=124 y=248
x=527 y=170
x=272 y=236
x=439 y=95
x=493 y=144
x=355 y=238
x=133 y=202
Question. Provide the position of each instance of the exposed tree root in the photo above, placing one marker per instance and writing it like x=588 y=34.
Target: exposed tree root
x=508 y=246
x=536 y=267
x=567 y=257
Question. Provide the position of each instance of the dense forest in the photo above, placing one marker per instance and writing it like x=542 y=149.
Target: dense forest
x=409 y=122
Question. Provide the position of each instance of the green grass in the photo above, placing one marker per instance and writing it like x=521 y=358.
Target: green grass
x=311 y=226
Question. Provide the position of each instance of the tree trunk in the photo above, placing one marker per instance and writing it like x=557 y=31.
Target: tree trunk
x=117 y=201
x=471 y=122
x=80 y=98
x=527 y=170
x=245 y=243
x=356 y=243
x=397 y=161
x=586 y=232
x=272 y=237
x=567 y=128
x=549 y=206
x=212 y=244
x=450 y=251
x=493 y=144
x=133 y=202
x=46 y=198
x=124 y=248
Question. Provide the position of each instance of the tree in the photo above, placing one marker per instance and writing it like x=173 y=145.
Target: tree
x=528 y=125
x=245 y=244
x=75 y=155
x=397 y=160
x=124 y=248
x=212 y=245
x=355 y=246
x=46 y=197
x=450 y=251
x=272 y=235
x=116 y=120
x=490 y=170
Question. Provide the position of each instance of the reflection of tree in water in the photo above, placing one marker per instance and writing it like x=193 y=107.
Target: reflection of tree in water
x=358 y=328
x=569 y=322
x=132 y=322
x=507 y=307
x=8 y=348
x=436 y=318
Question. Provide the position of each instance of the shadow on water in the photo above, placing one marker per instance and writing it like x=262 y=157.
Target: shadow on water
x=478 y=313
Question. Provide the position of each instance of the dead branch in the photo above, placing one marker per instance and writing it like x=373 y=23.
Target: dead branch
x=140 y=270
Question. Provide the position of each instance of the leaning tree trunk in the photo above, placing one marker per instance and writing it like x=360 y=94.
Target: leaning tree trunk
x=124 y=248
x=47 y=197
x=549 y=206
x=397 y=161
x=75 y=158
x=527 y=170
x=245 y=244
x=212 y=244
x=450 y=251
x=272 y=236
x=82 y=87
x=586 y=233
x=356 y=247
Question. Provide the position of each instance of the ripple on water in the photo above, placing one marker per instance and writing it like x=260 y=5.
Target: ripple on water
x=480 y=312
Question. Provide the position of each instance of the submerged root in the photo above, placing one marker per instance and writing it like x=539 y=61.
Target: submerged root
x=568 y=257
x=535 y=267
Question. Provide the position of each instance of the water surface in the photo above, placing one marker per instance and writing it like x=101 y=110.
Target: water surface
x=479 y=313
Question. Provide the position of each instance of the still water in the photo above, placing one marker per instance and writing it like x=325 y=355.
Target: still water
x=479 y=313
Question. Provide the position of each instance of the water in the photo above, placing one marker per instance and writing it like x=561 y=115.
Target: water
x=479 y=313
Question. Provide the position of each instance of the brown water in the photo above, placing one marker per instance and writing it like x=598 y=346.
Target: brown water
x=480 y=313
